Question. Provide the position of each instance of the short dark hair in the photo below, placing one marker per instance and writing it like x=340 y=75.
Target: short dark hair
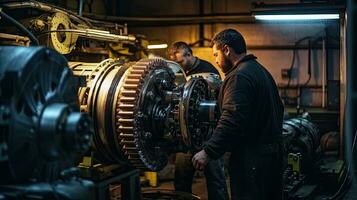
x=232 y=38
x=179 y=45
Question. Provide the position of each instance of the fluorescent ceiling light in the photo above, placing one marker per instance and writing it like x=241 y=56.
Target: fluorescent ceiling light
x=297 y=17
x=157 y=46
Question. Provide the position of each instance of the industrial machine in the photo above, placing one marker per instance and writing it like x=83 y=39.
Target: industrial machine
x=140 y=114
x=301 y=142
x=41 y=128
x=104 y=107
x=141 y=111
x=302 y=139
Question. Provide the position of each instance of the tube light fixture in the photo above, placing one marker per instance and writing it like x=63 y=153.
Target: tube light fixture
x=285 y=17
x=157 y=46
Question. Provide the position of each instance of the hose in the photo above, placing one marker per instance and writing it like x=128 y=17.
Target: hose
x=20 y=27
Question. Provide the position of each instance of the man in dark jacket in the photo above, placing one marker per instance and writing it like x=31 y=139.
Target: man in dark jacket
x=250 y=125
x=181 y=53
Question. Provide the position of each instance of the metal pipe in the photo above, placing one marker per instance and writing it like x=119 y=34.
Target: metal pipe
x=323 y=66
x=277 y=47
x=351 y=98
x=343 y=63
x=47 y=8
x=20 y=27
x=16 y=38
x=201 y=27
x=281 y=86
x=287 y=47
x=96 y=34
x=177 y=20
x=80 y=7
x=52 y=9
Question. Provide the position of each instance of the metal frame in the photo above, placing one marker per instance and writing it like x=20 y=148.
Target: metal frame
x=130 y=186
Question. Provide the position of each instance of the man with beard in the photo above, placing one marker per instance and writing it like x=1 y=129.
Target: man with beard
x=181 y=53
x=250 y=125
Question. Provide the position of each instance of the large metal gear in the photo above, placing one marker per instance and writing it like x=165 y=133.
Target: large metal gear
x=142 y=112
x=136 y=111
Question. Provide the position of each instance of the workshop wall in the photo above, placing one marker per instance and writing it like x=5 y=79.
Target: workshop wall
x=272 y=43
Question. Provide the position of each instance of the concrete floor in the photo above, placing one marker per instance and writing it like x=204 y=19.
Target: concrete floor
x=198 y=186
x=166 y=176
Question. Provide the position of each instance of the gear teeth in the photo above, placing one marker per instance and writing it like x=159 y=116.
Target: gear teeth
x=137 y=71
x=127 y=142
x=130 y=93
x=134 y=156
x=127 y=99
x=130 y=86
x=127 y=136
x=125 y=106
x=125 y=112
x=128 y=148
x=125 y=128
x=135 y=76
x=137 y=162
x=132 y=81
x=126 y=121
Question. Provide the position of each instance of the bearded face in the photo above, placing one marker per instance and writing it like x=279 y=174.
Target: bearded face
x=226 y=64
x=222 y=60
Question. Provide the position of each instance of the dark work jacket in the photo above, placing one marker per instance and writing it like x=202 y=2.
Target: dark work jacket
x=201 y=66
x=251 y=110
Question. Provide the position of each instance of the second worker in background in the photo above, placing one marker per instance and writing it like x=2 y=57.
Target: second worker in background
x=181 y=53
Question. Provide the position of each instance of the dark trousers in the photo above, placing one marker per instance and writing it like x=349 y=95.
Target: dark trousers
x=214 y=173
x=256 y=175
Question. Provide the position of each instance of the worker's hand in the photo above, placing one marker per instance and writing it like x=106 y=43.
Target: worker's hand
x=200 y=160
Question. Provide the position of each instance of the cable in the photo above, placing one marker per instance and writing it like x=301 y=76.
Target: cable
x=308 y=72
x=347 y=177
x=198 y=41
x=52 y=8
x=294 y=55
x=308 y=65
x=292 y=64
x=20 y=27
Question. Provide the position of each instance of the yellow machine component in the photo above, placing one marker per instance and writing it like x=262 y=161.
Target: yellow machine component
x=294 y=160
x=16 y=40
x=63 y=42
x=87 y=162
x=152 y=177
x=116 y=50
x=129 y=53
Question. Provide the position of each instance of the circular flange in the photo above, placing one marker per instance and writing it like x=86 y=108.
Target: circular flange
x=63 y=42
x=193 y=132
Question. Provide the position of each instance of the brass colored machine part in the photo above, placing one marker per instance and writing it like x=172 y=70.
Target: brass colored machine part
x=63 y=42
x=98 y=100
x=136 y=111
x=14 y=40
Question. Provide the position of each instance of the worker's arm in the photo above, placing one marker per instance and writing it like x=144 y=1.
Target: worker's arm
x=237 y=105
